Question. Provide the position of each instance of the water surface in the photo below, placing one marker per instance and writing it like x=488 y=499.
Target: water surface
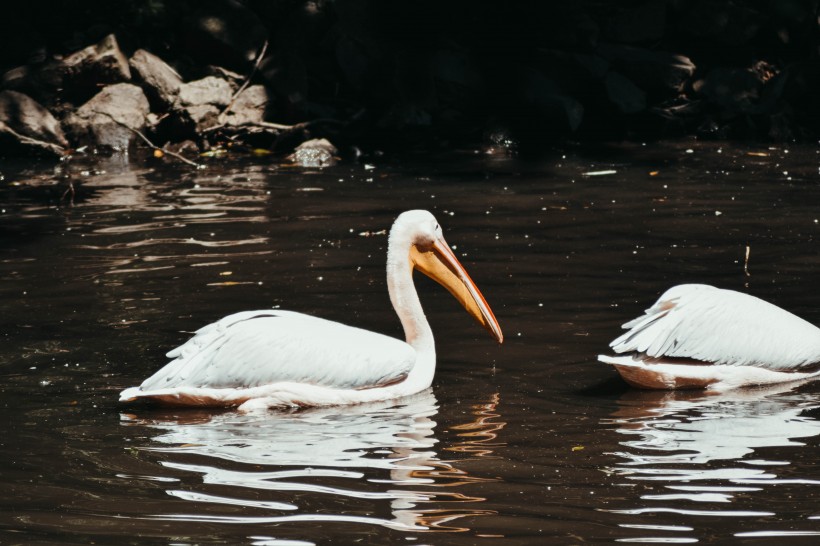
x=528 y=442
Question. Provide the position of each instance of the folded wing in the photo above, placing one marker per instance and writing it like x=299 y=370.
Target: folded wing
x=722 y=327
x=256 y=348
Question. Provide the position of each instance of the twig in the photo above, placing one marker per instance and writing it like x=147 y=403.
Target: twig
x=151 y=144
x=247 y=80
x=746 y=261
x=50 y=146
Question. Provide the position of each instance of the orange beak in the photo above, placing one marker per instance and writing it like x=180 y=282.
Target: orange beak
x=440 y=264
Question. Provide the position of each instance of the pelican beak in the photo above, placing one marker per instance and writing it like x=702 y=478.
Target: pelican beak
x=440 y=264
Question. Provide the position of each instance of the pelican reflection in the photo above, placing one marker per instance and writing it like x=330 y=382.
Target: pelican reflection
x=371 y=459
x=696 y=455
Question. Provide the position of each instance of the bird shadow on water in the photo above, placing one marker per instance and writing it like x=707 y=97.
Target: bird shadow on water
x=377 y=464
x=711 y=465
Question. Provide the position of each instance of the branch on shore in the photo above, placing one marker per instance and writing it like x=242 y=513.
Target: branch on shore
x=23 y=139
x=152 y=145
x=246 y=83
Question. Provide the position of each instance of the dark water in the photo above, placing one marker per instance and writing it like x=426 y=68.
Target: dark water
x=530 y=442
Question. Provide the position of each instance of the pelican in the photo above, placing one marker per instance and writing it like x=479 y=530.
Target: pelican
x=270 y=358
x=699 y=336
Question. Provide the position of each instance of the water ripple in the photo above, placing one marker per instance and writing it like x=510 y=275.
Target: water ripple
x=372 y=459
x=693 y=449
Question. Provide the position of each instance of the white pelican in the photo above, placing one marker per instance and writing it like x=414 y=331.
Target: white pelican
x=699 y=336
x=268 y=358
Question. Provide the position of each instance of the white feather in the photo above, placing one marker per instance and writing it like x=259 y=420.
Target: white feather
x=722 y=327
x=255 y=348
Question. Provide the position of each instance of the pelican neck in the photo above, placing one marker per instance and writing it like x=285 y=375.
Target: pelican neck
x=402 y=290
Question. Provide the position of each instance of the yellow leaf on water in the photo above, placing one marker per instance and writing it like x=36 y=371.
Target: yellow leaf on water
x=577 y=448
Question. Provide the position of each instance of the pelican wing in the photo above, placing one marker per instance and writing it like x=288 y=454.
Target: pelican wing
x=256 y=348
x=722 y=327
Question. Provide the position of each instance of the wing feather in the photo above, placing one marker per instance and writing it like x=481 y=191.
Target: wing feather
x=256 y=348
x=723 y=327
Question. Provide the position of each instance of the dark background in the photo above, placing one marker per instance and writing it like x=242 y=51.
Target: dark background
x=463 y=71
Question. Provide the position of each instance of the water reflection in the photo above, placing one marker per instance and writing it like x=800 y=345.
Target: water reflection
x=372 y=464
x=706 y=457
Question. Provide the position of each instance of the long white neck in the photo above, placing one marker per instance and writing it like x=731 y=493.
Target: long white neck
x=406 y=302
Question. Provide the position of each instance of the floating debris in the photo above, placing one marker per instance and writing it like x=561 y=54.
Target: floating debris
x=373 y=233
x=600 y=173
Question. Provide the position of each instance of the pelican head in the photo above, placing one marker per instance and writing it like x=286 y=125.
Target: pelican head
x=428 y=252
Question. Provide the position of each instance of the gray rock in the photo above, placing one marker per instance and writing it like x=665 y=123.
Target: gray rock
x=41 y=81
x=26 y=125
x=249 y=107
x=106 y=118
x=98 y=64
x=233 y=78
x=200 y=117
x=210 y=90
x=76 y=78
x=318 y=152
x=160 y=82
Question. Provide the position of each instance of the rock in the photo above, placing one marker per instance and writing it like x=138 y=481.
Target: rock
x=650 y=70
x=75 y=78
x=104 y=120
x=160 y=82
x=41 y=81
x=318 y=152
x=198 y=106
x=211 y=90
x=735 y=90
x=97 y=65
x=233 y=78
x=249 y=107
x=200 y=117
x=25 y=124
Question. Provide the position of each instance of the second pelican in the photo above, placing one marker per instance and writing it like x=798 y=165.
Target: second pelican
x=699 y=336
x=268 y=358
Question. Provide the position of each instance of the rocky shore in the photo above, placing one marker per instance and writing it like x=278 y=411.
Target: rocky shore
x=192 y=78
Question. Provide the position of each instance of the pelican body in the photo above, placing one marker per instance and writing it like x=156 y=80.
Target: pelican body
x=269 y=358
x=699 y=336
